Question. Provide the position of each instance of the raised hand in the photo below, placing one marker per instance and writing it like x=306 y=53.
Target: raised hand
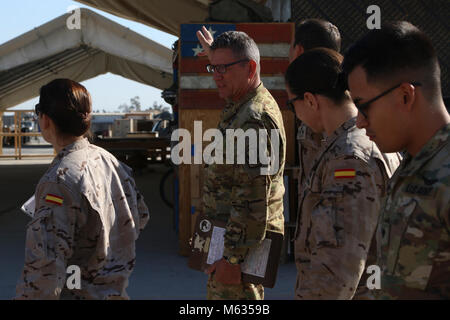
x=206 y=40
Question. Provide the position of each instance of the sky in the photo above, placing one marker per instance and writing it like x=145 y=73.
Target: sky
x=20 y=16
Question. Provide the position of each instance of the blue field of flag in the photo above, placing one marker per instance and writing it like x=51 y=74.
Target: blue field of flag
x=190 y=46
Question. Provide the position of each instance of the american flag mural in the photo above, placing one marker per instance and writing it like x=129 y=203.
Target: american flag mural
x=197 y=87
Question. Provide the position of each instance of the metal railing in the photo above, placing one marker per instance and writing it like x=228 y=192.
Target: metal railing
x=18 y=135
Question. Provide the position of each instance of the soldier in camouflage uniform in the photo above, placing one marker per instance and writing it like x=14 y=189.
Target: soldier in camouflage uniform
x=310 y=34
x=88 y=211
x=394 y=77
x=250 y=202
x=341 y=200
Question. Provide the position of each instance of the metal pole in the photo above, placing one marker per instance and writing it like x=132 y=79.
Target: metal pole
x=15 y=135
x=19 y=131
x=1 y=138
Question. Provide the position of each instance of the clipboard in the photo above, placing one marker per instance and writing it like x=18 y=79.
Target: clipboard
x=260 y=265
x=29 y=206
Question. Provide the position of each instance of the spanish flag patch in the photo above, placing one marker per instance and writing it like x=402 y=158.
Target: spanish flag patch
x=344 y=173
x=54 y=199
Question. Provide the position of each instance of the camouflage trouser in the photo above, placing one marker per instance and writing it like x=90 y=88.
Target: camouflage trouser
x=363 y=293
x=243 y=291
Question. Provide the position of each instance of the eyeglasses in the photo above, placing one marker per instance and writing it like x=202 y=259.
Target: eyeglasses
x=37 y=109
x=364 y=106
x=290 y=103
x=222 y=68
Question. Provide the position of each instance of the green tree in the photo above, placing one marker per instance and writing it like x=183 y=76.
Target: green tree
x=156 y=106
x=135 y=103
x=124 y=108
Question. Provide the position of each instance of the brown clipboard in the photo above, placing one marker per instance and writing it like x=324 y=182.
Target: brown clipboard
x=260 y=265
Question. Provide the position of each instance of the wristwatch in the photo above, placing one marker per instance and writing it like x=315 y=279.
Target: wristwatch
x=232 y=260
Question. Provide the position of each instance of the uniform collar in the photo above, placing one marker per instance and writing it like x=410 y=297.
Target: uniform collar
x=233 y=107
x=77 y=145
x=330 y=140
x=410 y=164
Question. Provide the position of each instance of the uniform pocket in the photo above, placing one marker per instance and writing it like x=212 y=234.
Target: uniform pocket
x=417 y=248
x=327 y=226
x=39 y=240
x=393 y=231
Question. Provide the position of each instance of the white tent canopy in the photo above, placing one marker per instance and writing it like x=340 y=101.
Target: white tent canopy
x=53 y=51
x=165 y=15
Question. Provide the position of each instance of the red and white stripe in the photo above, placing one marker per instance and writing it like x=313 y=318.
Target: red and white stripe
x=198 y=89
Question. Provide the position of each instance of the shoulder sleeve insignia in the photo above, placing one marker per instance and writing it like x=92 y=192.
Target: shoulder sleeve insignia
x=344 y=173
x=54 y=199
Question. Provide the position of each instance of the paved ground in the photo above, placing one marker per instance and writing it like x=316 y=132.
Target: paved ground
x=36 y=145
x=160 y=273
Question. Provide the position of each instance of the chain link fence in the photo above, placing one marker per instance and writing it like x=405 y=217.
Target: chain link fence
x=431 y=16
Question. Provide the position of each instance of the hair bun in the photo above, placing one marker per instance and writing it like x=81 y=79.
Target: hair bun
x=84 y=115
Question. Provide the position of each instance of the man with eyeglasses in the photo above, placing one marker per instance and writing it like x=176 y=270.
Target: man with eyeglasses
x=394 y=80
x=249 y=202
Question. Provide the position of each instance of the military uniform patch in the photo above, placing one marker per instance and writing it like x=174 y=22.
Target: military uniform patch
x=54 y=199
x=344 y=173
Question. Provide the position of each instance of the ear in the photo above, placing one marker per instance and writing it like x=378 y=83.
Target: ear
x=45 y=121
x=408 y=96
x=311 y=101
x=252 y=69
x=298 y=50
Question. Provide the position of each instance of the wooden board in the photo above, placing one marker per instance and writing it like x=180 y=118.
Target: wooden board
x=188 y=212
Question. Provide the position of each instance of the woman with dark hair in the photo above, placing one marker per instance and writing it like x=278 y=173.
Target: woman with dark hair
x=339 y=207
x=88 y=212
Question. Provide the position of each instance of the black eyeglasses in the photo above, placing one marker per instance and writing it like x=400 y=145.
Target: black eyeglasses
x=364 y=106
x=290 y=103
x=222 y=68
x=37 y=109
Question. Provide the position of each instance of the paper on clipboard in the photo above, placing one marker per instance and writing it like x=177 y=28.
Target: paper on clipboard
x=260 y=265
x=216 y=246
x=255 y=263
x=29 y=206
